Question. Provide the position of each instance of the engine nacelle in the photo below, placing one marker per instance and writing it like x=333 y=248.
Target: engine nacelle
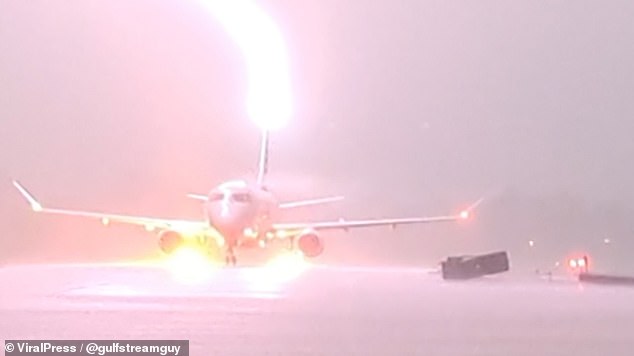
x=169 y=241
x=309 y=243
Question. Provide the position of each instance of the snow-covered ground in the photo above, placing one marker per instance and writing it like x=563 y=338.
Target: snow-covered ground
x=300 y=310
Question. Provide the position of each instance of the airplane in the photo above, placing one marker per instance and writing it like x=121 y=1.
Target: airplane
x=241 y=215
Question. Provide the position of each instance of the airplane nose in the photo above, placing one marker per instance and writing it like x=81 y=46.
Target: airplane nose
x=226 y=225
x=228 y=222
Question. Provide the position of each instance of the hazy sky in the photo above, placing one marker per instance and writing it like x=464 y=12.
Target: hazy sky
x=405 y=107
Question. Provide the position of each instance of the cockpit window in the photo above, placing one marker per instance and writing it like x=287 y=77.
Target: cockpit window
x=241 y=197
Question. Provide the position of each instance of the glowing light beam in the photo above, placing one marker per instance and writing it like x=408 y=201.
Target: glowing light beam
x=281 y=269
x=269 y=93
x=190 y=266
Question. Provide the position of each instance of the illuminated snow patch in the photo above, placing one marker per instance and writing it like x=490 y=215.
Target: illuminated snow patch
x=190 y=266
x=282 y=269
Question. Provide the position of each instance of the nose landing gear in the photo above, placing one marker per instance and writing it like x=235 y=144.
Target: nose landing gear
x=230 y=257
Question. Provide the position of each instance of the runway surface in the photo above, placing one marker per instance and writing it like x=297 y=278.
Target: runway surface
x=317 y=310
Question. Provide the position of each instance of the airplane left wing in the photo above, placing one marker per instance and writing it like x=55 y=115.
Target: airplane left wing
x=150 y=223
x=345 y=225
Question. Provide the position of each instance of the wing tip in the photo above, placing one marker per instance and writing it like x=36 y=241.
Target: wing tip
x=476 y=204
x=467 y=213
x=35 y=205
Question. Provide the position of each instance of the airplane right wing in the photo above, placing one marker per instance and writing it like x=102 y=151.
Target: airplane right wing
x=345 y=225
x=149 y=223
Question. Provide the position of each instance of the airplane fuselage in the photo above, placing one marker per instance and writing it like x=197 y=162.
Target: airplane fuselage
x=241 y=215
x=240 y=212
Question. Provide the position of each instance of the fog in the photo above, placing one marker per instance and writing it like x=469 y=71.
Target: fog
x=406 y=108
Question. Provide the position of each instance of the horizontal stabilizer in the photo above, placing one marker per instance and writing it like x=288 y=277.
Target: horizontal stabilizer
x=198 y=196
x=300 y=203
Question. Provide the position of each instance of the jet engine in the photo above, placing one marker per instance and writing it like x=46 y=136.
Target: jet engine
x=170 y=241
x=309 y=243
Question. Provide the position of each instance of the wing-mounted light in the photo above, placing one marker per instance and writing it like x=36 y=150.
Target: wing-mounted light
x=467 y=214
x=250 y=233
x=285 y=234
x=220 y=241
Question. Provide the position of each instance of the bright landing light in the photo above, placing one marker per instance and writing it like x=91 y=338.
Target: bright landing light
x=281 y=269
x=190 y=265
x=269 y=93
x=287 y=265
